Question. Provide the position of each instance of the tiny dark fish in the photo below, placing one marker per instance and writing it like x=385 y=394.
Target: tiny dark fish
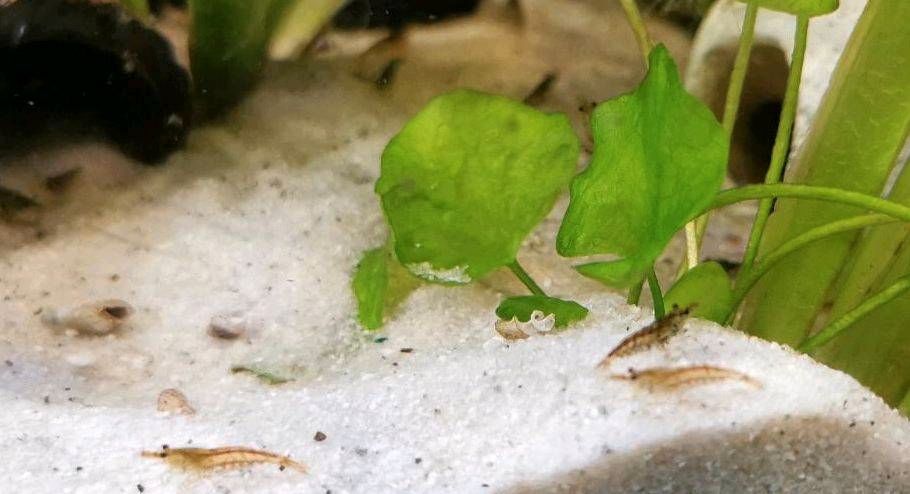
x=388 y=74
x=12 y=201
x=397 y=13
x=539 y=93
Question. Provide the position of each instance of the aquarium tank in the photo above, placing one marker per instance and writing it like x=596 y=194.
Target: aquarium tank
x=452 y=246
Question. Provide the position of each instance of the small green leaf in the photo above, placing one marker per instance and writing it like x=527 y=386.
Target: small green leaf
x=799 y=7
x=139 y=8
x=262 y=374
x=468 y=178
x=659 y=159
x=228 y=43
x=379 y=284
x=566 y=311
x=371 y=283
x=706 y=288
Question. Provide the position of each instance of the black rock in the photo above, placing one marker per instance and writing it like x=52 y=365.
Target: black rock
x=70 y=69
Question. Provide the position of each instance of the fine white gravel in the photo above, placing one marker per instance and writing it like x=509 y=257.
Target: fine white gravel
x=257 y=226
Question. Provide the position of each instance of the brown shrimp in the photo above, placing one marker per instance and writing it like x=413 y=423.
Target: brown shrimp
x=656 y=333
x=672 y=378
x=225 y=457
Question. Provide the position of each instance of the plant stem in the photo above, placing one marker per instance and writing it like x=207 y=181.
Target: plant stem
x=635 y=293
x=781 y=141
x=633 y=15
x=525 y=278
x=837 y=327
x=693 y=245
x=656 y=295
x=747 y=280
x=740 y=67
x=813 y=192
x=695 y=229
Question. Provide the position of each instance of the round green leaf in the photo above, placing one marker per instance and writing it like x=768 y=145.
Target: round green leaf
x=565 y=311
x=468 y=178
x=706 y=288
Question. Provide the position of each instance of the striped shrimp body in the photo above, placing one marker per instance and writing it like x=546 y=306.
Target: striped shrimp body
x=226 y=457
x=672 y=378
x=654 y=334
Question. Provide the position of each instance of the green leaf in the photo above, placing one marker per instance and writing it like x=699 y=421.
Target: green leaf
x=659 y=158
x=262 y=374
x=139 y=8
x=371 y=283
x=379 y=285
x=706 y=288
x=904 y=405
x=565 y=311
x=799 y=7
x=228 y=43
x=468 y=178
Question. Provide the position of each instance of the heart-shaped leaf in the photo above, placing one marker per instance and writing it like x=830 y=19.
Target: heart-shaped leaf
x=468 y=178
x=521 y=308
x=706 y=288
x=659 y=159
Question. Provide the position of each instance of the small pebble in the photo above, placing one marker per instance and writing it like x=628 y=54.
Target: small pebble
x=227 y=327
x=320 y=436
x=173 y=401
x=93 y=318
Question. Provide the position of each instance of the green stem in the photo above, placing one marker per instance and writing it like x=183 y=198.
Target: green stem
x=635 y=293
x=747 y=280
x=633 y=15
x=692 y=243
x=837 y=327
x=781 y=141
x=813 y=192
x=525 y=278
x=656 y=295
x=740 y=67
x=695 y=230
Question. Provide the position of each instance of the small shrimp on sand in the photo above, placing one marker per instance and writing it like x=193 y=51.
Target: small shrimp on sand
x=226 y=457
x=672 y=378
